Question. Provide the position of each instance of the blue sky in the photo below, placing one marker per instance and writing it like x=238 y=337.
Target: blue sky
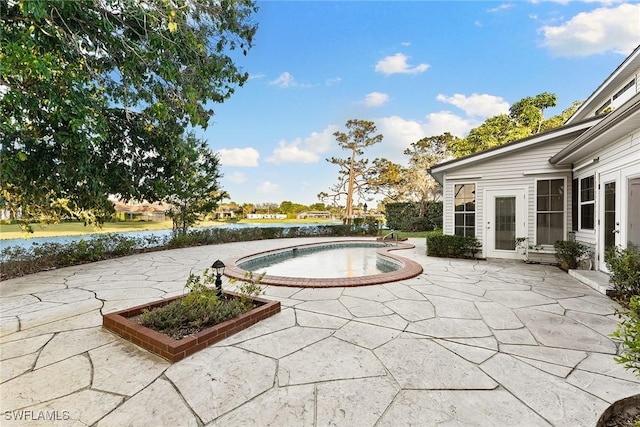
x=416 y=69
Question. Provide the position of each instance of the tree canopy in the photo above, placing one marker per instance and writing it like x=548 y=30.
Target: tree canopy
x=193 y=188
x=423 y=154
x=525 y=118
x=94 y=95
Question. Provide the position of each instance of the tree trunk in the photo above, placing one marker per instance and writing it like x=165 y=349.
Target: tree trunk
x=349 y=210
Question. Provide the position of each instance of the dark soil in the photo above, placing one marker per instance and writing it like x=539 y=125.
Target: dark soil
x=630 y=417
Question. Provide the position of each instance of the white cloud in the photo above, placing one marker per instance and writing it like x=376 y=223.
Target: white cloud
x=237 y=177
x=403 y=132
x=602 y=30
x=333 y=81
x=284 y=80
x=397 y=64
x=268 y=188
x=305 y=150
x=500 y=8
x=375 y=99
x=477 y=105
x=243 y=157
x=292 y=153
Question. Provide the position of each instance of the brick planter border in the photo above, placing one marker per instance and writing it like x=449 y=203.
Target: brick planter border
x=174 y=350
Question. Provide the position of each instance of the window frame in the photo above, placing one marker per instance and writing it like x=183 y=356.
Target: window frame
x=564 y=206
x=464 y=212
x=590 y=202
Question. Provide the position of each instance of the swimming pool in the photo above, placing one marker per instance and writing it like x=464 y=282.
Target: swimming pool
x=328 y=264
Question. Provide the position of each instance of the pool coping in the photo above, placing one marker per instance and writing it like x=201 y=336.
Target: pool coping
x=408 y=270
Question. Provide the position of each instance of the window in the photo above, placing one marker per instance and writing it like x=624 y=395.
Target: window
x=465 y=210
x=587 y=203
x=549 y=211
x=626 y=87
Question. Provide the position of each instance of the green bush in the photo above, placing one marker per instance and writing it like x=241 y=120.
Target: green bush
x=200 y=308
x=628 y=335
x=406 y=216
x=569 y=252
x=624 y=265
x=443 y=245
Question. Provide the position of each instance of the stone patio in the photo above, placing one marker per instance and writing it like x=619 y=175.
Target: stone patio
x=466 y=343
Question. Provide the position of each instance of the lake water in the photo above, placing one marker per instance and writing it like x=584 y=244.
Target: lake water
x=158 y=234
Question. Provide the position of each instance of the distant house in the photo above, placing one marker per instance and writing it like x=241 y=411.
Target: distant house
x=582 y=179
x=266 y=216
x=140 y=211
x=225 y=213
x=313 y=214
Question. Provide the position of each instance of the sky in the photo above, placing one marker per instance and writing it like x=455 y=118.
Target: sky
x=416 y=69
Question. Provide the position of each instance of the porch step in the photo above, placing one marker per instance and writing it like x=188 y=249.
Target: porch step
x=596 y=279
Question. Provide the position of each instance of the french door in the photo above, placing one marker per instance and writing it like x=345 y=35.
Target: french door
x=609 y=203
x=504 y=222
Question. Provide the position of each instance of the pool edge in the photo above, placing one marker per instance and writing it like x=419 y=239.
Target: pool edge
x=409 y=269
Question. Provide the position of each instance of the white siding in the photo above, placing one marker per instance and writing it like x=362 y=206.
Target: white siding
x=622 y=154
x=516 y=170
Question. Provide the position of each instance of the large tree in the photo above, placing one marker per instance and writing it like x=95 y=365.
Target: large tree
x=423 y=154
x=192 y=191
x=94 y=95
x=354 y=175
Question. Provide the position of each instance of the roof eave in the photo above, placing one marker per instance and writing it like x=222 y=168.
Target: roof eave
x=572 y=151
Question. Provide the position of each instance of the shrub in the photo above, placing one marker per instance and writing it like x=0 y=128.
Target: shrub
x=628 y=335
x=407 y=216
x=624 y=265
x=443 y=245
x=569 y=252
x=201 y=307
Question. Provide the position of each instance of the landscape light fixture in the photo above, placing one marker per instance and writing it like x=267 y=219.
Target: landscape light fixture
x=364 y=208
x=219 y=267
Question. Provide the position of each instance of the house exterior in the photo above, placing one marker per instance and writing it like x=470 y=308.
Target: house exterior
x=140 y=211
x=581 y=180
x=313 y=214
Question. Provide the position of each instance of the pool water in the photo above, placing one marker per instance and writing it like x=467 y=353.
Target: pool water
x=323 y=262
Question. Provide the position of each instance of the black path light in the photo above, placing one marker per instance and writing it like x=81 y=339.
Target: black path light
x=219 y=267
x=364 y=208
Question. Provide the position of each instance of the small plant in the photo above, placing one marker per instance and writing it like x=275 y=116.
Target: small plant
x=200 y=307
x=628 y=335
x=624 y=265
x=250 y=286
x=570 y=252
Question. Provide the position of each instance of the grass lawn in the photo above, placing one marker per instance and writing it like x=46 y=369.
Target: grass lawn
x=12 y=231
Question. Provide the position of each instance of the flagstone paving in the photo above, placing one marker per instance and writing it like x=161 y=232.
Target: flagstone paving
x=465 y=343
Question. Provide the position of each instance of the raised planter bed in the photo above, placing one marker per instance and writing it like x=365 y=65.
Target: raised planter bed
x=173 y=350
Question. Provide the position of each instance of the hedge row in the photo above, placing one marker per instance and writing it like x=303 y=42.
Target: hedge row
x=447 y=246
x=407 y=216
x=17 y=261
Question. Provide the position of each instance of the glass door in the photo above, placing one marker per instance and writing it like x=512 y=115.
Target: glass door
x=609 y=234
x=505 y=221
